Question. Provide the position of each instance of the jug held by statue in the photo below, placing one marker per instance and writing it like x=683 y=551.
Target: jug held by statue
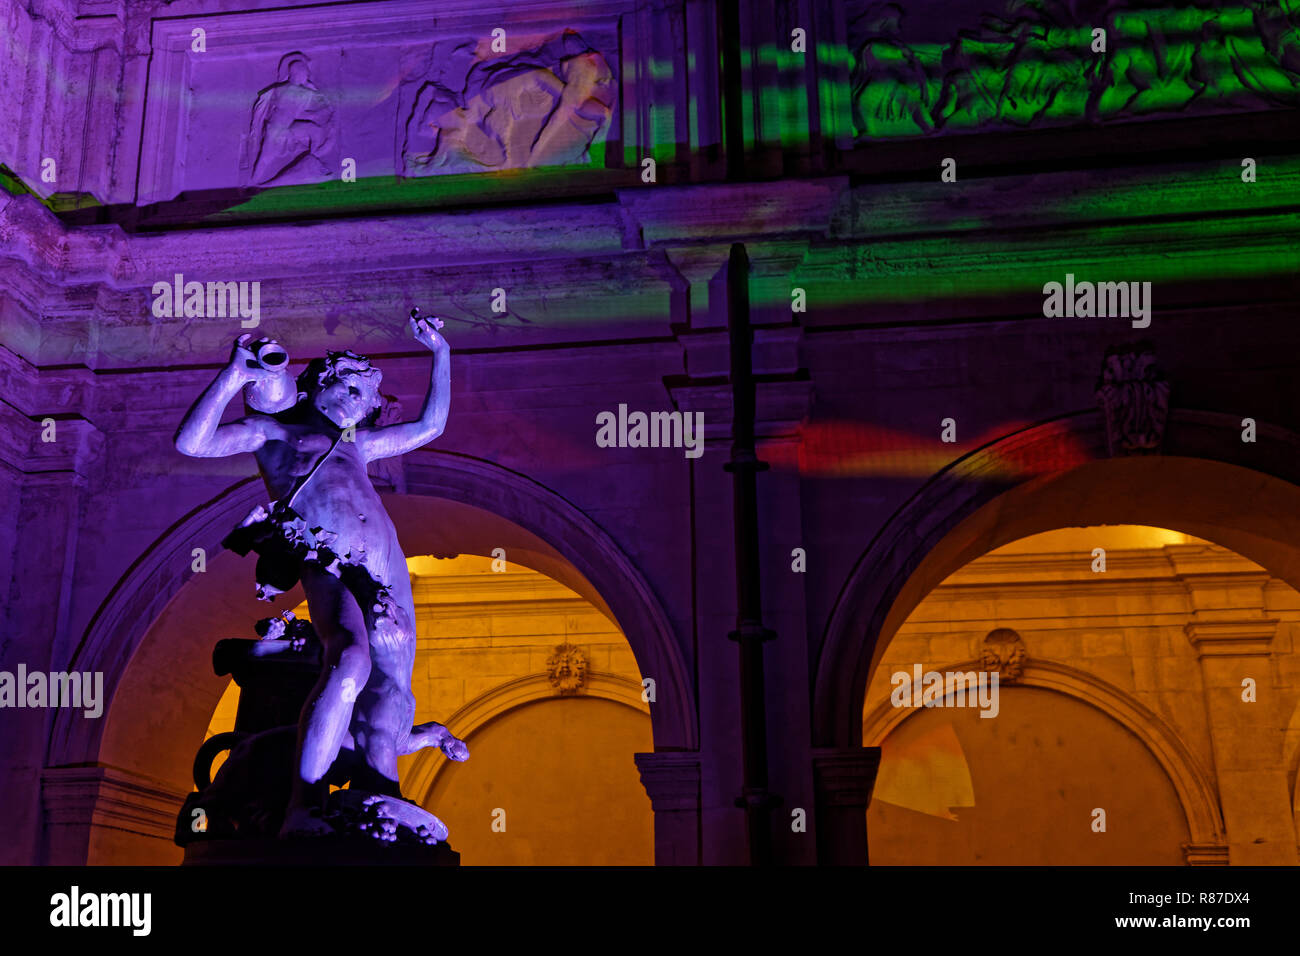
x=274 y=393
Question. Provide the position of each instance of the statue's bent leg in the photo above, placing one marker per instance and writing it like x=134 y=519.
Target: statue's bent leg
x=381 y=722
x=339 y=621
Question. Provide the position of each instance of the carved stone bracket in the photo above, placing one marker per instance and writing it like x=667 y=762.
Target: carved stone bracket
x=567 y=669
x=1134 y=397
x=1004 y=653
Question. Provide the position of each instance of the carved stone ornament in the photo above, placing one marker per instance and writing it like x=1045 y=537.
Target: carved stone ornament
x=1134 y=397
x=1004 y=652
x=567 y=669
x=1044 y=63
x=543 y=106
x=292 y=133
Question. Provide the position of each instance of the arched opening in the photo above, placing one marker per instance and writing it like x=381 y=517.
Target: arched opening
x=1114 y=738
x=153 y=640
x=1209 y=484
x=970 y=510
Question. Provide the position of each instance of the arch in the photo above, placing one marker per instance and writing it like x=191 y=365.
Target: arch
x=138 y=600
x=485 y=708
x=1192 y=782
x=1242 y=496
x=554 y=535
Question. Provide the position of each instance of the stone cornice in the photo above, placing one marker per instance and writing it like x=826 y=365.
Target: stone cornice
x=526 y=586
x=95 y=282
x=674 y=214
x=1167 y=564
x=1240 y=638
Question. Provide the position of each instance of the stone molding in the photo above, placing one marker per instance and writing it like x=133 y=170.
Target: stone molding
x=1243 y=638
x=108 y=797
x=1205 y=854
x=845 y=776
x=671 y=779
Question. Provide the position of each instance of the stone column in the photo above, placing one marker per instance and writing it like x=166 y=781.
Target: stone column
x=672 y=781
x=1247 y=738
x=843 y=777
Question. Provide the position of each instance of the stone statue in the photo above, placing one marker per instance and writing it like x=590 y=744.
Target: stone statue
x=544 y=106
x=291 y=131
x=327 y=528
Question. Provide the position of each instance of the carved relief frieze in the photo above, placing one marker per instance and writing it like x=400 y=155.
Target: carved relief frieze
x=291 y=136
x=1043 y=62
x=476 y=110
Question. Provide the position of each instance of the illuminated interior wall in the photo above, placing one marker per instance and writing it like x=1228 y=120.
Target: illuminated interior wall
x=1022 y=788
x=551 y=784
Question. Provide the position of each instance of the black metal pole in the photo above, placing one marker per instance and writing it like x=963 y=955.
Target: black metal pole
x=749 y=633
x=733 y=124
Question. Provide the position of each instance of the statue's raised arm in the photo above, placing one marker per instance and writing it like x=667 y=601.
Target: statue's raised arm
x=397 y=439
x=201 y=434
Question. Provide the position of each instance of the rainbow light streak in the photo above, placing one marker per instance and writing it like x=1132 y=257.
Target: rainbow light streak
x=844 y=449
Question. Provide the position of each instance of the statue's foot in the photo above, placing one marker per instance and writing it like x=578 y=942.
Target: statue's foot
x=383 y=815
x=304 y=822
x=434 y=734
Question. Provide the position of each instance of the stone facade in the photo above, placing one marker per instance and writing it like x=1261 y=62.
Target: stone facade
x=916 y=405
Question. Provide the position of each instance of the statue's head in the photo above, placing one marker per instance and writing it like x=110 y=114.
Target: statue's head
x=343 y=387
x=294 y=68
